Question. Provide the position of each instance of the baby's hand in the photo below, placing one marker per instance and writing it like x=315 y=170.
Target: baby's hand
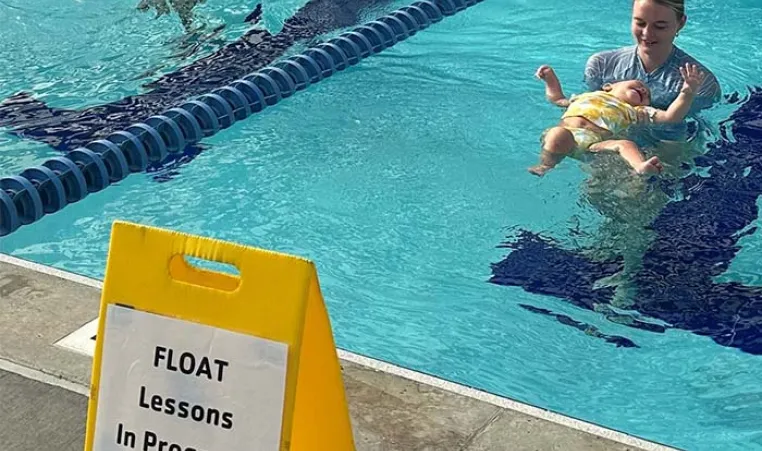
x=545 y=72
x=693 y=77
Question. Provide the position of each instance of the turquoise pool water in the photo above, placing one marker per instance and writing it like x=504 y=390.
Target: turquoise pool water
x=400 y=177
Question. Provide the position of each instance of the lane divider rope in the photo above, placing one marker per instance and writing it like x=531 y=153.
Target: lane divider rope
x=59 y=181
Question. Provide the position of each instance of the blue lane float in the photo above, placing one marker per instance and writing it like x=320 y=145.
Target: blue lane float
x=59 y=181
x=71 y=177
x=49 y=187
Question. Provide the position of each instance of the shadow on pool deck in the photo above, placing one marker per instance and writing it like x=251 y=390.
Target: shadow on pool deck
x=389 y=412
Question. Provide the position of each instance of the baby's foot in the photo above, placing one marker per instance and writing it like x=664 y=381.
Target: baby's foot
x=540 y=169
x=650 y=166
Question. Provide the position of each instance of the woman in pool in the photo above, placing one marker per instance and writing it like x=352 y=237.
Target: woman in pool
x=655 y=60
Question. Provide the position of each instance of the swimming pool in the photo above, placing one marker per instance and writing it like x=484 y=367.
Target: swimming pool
x=400 y=177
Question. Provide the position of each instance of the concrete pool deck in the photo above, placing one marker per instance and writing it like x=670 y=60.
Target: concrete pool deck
x=44 y=386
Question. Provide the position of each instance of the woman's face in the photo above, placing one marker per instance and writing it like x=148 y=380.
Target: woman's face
x=654 y=27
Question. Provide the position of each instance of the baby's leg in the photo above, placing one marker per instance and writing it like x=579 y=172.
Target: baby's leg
x=630 y=152
x=557 y=144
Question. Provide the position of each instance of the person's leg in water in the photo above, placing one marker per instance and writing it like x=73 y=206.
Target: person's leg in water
x=184 y=9
x=632 y=154
x=557 y=144
x=160 y=6
x=628 y=205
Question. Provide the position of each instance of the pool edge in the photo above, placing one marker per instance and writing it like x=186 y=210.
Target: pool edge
x=514 y=406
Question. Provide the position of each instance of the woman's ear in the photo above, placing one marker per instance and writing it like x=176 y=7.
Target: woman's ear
x=606 y=87
x=681 y=24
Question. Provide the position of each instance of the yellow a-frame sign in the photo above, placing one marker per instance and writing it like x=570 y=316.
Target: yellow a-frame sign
x=191 y=359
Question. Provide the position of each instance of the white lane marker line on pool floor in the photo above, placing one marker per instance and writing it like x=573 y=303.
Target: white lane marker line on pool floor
x=81 y=341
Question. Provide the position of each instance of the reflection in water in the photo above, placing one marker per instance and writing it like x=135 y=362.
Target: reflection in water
x=628 y=204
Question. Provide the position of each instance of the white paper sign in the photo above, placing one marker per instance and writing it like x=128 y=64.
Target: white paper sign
x=173 y=385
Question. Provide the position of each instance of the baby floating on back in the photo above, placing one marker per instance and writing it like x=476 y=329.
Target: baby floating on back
x=598 y=121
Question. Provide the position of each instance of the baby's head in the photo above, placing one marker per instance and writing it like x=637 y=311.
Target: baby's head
x=634 y=92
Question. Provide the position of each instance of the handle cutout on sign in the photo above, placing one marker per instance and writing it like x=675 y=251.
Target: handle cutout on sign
x=190 y=270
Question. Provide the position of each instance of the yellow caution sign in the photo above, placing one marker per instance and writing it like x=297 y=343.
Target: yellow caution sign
x=193 y=359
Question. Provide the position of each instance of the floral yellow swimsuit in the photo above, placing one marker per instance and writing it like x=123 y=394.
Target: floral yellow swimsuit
x=607 y=112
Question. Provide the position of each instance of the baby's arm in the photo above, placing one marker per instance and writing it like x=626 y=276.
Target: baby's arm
x=693 y=78
x=553 y=91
